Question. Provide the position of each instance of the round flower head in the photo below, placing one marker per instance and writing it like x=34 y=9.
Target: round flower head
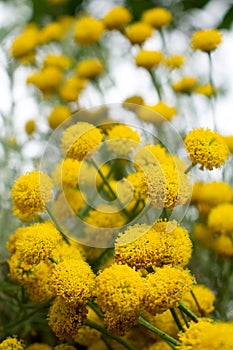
x=11 y=343
x=58 y=115
x=25 y=43
x=212 y=193
x=47 y=80
x=149 y=155
x=51 y=32
x=148 y=59
x=165 y=288
x=157 y=17
x=89 y=69
x=117 y=18
x=201 y=302
x=207 y=90
x=80 y=140
x=71 y=88
x=174 y=61
x=138 y=32
x=121 y=139
x=66 y=173
x=30 y=126
x=65 y=319
x=60 y=61
x=156 y=114
x=39 y=346
x=185 y=85
x=207 y=148
x=206 y=40
x=220 y=219
x=223 y=246
x=139 y=184
x=68 y=204
x=88 y=31
x=30 y=194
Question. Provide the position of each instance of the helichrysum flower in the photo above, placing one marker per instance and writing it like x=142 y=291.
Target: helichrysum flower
x=53 y=31
x=68 y=204
x=81 y=140
x=138 y=32
x=156 y=114
x=55 y=60
x=120 y=291
x=117 y=18
x=157 y=17
x=205 y=300
x=19 y=271
x=149 y=155
x=139 y=184
x=30 y=126
x=63 y=251
x=121 y=139
x=148 y=59
x=165 y=287
x=220 y=219
x=30 y=193
x=25 y=43
x=89 y=68
x=47 y=80
x=65 y=318
x=174 y=61
x=39 y=346
x=207 y=148
x=66 y=173
x=58 y=115
x=223 y=246
x=142 y=246
x=207 y=90
x=11 y=343
x=88 y=31
x=206 y=40
x=185 y=85
x=212 y=193
x=203 y=235
x=73 y=280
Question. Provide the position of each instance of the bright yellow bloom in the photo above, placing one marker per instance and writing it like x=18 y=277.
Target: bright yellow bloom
x=205 y=299
x=139 y=184
x=156 y=114
x=206 y=40
x=58 y=115
x=121 y=139
x=157 y=17
x=66 y=174
x=47 y=80
x=60 y=61
x=207 y=90
x=229 y=141
x=67 y=204
x=51 y=32
x=185 y=85
x=88 y=31
x=71 y=89
x=117 y=18
x=165 y=287
x=149 y=155
x=65 y=319
x=174 y=61
x=138 y=32
x=26 y=42
x=207 y=148
x=11 y=343
x=19 y=271
x=90 y=68
x=81 y=140
x=148 y=59
x=30 y=126
x=134 y=100
x=223 y=246
x=39 y=346
x=212 y=193
x=30 y=194
x=220 y=219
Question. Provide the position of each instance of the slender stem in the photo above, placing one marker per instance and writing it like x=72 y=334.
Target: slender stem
x=212 y=97
x=189 y=168
x=184 y=318
x=95 y=308
x=110 y=335
x=156 y=84
x=100 y=258
x=167 y=338
x=188 y=312
x=57 y=225
x=176 y=319
x=197 y=303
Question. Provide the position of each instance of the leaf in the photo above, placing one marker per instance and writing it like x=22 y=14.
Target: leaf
x=227 y=20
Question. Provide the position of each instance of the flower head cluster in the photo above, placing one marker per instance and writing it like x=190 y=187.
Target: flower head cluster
x=157 y=17
x=117 y=18
x=47 y=80
x=11 y=343
x=200 y=300
x=121 y=139
x=148 y=59
x=206 y=40
x=89 y=69
x=66 y=173
x=88 y=31
x=185 y=85
x=220 y=219
x=58 y=115
x=138 y=32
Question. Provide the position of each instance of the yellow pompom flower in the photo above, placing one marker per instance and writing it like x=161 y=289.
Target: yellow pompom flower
x=223 y=246
x=73 y=280
x=30 y=126
x=119 y=291
x=30 y=194
x=19 y=270
x=148 y=59
x=206 y=40
x=142 y=246
x=90 y=68
x=207 y=90
x=81 y=140
x=229 y=141
x=157 y=17
x=58 y=115
x=47 y=80
x=174 y=61
x=138 y=32
x=165 y=287
x=66 y=173
x=207 y=148
x=11 y=343
x=117 y=18
x=25 y=43
x=72 y=87
x=205 y=299
x=68 y=204
x=139 y=184
x=212 y=193
x=220 y=219
x=121 y=139
x=39 y=346
x=51 y=32
x=149 y=155
x=59 y=61
x=185 y=85
x=65 y=319
x=88 y=31
x=63 y=251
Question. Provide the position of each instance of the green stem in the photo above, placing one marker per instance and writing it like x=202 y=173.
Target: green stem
x=188 y=312
x=110 y=335
x=156 y=84
x=212 y=97
x=184 y=318
x=197 y=303
x=189 y=168
x=176 y=319
x=95 y=308
x=57 y=226
x=167 y=338
x=99 y=260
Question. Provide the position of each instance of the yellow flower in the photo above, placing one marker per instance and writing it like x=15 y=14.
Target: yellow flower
x=117 y=18
x=19 y=271
x=203 y=235
x=60 y=61
x=30 y=126
x=11 y=343
x=139 y=184
x=25 y=43
x=212 y=193
x=174 y=61
x=47 y=80
x=205 y=299
x=207 y=90
x=88 y=31
x=73 y=280
x=68 y=204
x=185 y=85
x=165 y=287
x=149 y=155
x=206 y=40
x=157 y=17
x=148 y=59
x=156 y=114
x=121 y=139
x=51 y=32
x=229 y=141
x=65 y=319
x=223 y=246
x=66 y=174
x=220 y=219
x=30 y=194
x=89 y=69
x=207 y=148
x=39 y=346
x=138 y=32
x=134 y=100
x=71 y=89
x=58 y=115
x=81 y=140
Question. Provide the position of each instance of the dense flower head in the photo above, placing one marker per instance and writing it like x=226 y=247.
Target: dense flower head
x=25 y=43
x=19 y=271
x=142 y=246
x=117 y=18
x=157 y=17
x=206 y=40
x=68 y=204
x=80 y=140
x=71 y=88
x=220 y=219
x=200 y=301
x=53 y=31
x=12 y=343
x=149 y=155
x=55 y=60
x=89 y=68
x=223 y=246
x=47 y=80
x=206 y=147
x=58 y=115
x=88 y=30
x=30 y=194
x=174 y=61
x=212 y=193
x=39 y=346
x=185 y=85
x=66 y=173
x=121 y=139
x=138 y=32
x=148 y=59
x=165 y=287
x=139 y=184
x=156 y=114
x=65 y=318
x=73 y=280
x=203 y=235
x=207 y=90
x=64 y=251
x=30 y=126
